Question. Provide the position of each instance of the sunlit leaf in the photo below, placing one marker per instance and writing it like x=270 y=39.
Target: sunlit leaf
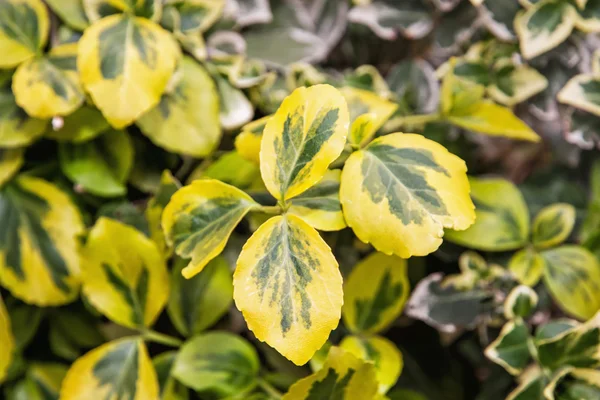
x=553 y=225
x=16 y=127
x=247 y=142
x=510 y=349
x=10 y=163
x=230 y=168
x=7 y=340
x=527 y=266
x=156 y=205
x=288 y=286
x=583 y=92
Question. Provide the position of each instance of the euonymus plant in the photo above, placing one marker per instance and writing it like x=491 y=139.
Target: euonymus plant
x=269 y=199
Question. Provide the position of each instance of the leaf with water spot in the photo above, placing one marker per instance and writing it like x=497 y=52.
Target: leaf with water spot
x=375 y=293
x=118 y=370
x=124 y=275
x=199 y=219
x=7 y=340
x=305 y=135
x=552 y=225
x=401 y=191
x=289 y=288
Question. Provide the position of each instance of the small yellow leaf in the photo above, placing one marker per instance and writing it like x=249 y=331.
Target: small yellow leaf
x=7 y=340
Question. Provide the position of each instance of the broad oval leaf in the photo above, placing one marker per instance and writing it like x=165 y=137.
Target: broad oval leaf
x=199 y=302
x=582 y=92
x=510 y=349
x=305 y=135
x=124 y=275
x=544 y=26
x=527 y=266
x=186 y=121
x=343 y=375
x=156 y=205
x=71 y=12
x=16 y=127
x=102 y=165
x=39 y=260
x=401 y=191
x=375 y=293
x=382 y=353
x=319 y=206
x=170 y=388
x=49 y=86
x=110 y=50
x=220 y=362
x=289 y=288
x=7 y=340
x=552 y=225
x=121 y=369
x=24 y=28
x=502 y=221
x=199 y=219
x=10 y=162
x=572 y=274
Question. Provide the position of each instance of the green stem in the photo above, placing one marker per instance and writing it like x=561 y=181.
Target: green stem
x=270 y=209
x=157 y=337
x=412 y=120
x=269 y=389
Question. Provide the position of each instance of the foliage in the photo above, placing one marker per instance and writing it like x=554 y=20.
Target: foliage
x=211 y=199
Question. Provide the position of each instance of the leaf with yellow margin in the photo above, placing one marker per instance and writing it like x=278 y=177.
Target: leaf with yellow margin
x=305 y=135
x=7 y=340
x=401 y=191
x=125 y=64
x=117 y=370
x=156 y=205
x=288 y=287
x=527 y=266
x=10 y=162
x=124 y=275
x=199 y=219
x=16 y=127
x=582 y=92
x=39 y=249
x=553 y=225
x=42 y=381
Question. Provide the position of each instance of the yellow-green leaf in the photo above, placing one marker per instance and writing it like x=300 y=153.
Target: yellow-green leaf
x=289 y=288
x=7 y=340
x=502 y=221
x=375 y=293
x=527 y=266
x=39 y=249
x=230 y=168
x=156 y=205
x=582 y=92
x=247 y=143
x=199 y=302
x=186 y=121
x=343 y=374
x=125 y=64
x=10 y=162
x=544 y=26
x=492 y=119
x=301 y=139
x=82 y=125
x=382 y=353
x=320 y=205
x=510 y=349
x=191 y=16
x=117 y=370
x=16 y=127
x=49 y=86
x=469 y=261
x=552 y=225
x=71 y=12
x=124 y=275
x=459 y=97
x=199 y=219
x=42 y=381
x=572 y=274
x=23 y=30
x=98 y=9
x=401 y=191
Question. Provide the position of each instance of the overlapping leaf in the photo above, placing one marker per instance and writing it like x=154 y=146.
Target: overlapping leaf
x=247 y=143
x=510 y=349
x=170 y=388
x=16 y=127
x=10 y=162
x=156 y=205
x=7 y=340
x=527 y=266
x=583 y=91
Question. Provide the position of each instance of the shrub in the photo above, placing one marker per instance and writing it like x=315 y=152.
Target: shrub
x=210 y=199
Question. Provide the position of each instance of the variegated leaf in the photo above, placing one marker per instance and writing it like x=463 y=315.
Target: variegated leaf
x=220 y=362
x=10 y=163
x=574 y=384
x=156 y=205
x=510 y=349
x=7 y=340
x=527 y=266
x=71 y=12
x=230 y=168
x=39 y=260
x=514 y=85
x=320 y=205
x=24 y=28
x=110 y=50
x=124 y=274
x=199 y=219
x=301 y=139
x=118 y=370
x=401 y=191
x=553 y=225
x=342 y=375
x=191 y=16
x=247 y=143
x=572 y=274
x=588 y=18
x=16 y=127
x=520 y=302
x=583 y=92
x=98 y=9
x=530 y=388
x=502 y=221
x=186 y=121
x=289 y=288
x=382 y=353
x=367 y=77
x=375 y=293
x=170 y=388
x=235 y=108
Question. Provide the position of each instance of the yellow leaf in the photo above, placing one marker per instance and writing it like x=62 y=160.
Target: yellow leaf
x=342 y=373
x=7 y=340
x=10 y=162
x=320 y=205
x=16 y=127
x=230 y=168
x=39 y=249
x=124 y=275
x=288 y=287
x=401 y=191
x=120 y=369
x=552 y=225
x=305 y=135
x=199 y=219
x=375 y=293
x=23 y=30
x=187 y=120
x=527 y=266
x=247 y=143
x=156 y=205
x=125 y=64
